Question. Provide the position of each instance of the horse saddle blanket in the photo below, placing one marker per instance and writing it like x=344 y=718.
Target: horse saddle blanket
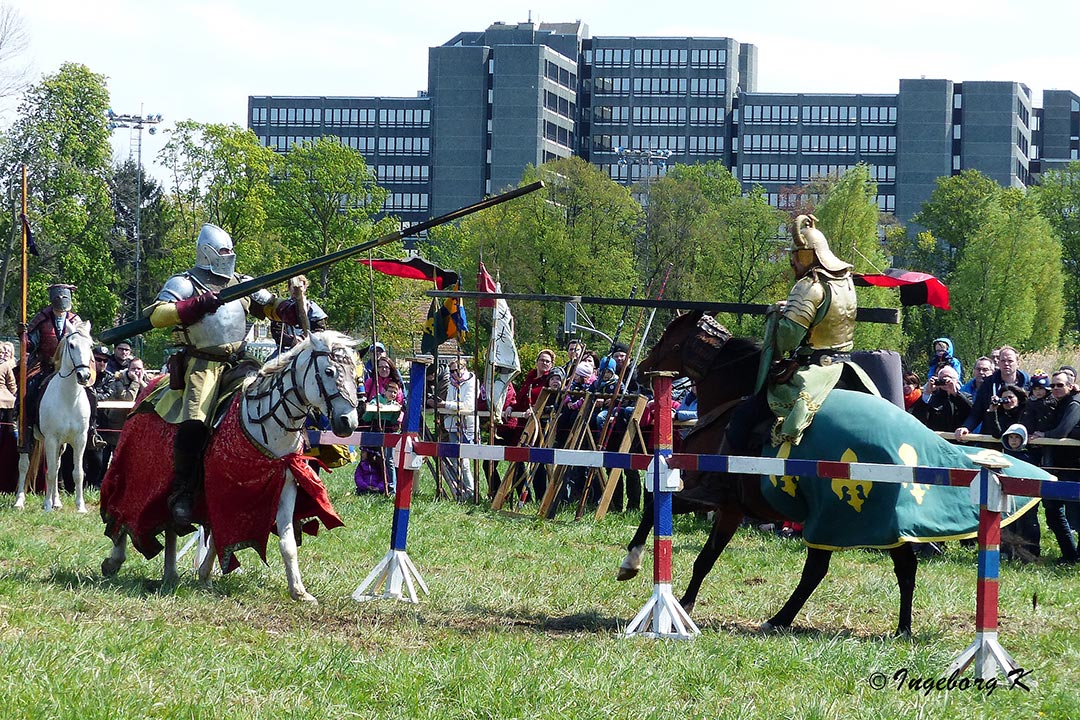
x=857 y=427
x=240 y=495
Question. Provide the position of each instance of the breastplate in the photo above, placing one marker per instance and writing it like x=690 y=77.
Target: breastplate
x=836 y=330
x=224 y=329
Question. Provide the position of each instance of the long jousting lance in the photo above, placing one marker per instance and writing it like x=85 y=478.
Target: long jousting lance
x=137 y=327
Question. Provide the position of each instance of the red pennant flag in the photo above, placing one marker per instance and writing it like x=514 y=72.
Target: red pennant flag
x=484 y=283
x=915 y=288
x=415 y=268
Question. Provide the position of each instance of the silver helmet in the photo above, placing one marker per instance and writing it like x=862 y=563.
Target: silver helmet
x=60 y=297
x=214 y=251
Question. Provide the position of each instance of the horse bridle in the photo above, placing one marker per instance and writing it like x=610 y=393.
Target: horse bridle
x=75 y=366
x=296 y=410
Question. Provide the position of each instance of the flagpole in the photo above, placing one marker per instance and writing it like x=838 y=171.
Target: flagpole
x=490 y=383
x=21 y=430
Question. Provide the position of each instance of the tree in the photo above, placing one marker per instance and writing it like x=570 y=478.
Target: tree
x=1058 y=199
x=61 y=136
x=325 y=199
x=153 y=225
x=220 y=175
x=744 y=258
x=954 y=213
x=1007 y=287
x=573 y=237
x=14 y=41
x=848 y=215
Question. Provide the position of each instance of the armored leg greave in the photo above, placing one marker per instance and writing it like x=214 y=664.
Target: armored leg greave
x=191 y=439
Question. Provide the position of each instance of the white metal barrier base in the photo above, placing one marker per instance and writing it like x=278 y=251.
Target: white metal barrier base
x=394 y=571
x=198 y=543
x=662 y=617
x=988 y=655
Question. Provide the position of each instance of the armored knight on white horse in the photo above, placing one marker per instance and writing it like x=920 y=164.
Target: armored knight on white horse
x=210 y=336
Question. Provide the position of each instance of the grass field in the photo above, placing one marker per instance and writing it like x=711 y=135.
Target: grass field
x=522 y=622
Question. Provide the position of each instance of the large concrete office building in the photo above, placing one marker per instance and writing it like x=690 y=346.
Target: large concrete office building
x=513 y=95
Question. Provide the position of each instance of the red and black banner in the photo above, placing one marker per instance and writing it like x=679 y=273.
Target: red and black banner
x=915 y=288
x=415 y=268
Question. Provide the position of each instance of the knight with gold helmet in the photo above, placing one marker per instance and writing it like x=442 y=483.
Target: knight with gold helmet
x=807 y=346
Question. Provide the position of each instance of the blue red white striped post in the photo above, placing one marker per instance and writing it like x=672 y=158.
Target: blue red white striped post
x=662 y=616
x=396 y=568
x=986 y=652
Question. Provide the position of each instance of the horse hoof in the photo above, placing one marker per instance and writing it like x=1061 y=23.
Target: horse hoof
x=627 y=573
x=110 y=567
x=81 y=509
x=20 y=502
x=688 y=607
x=306 y=597
x=769 y=627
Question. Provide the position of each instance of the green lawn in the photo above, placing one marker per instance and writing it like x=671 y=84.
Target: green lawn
x=523 y=621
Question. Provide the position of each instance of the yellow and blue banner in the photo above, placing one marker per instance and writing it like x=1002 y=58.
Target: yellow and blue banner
x=445 y=320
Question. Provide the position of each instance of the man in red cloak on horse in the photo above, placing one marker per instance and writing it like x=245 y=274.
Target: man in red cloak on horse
x=210 y=336
x=807 y=347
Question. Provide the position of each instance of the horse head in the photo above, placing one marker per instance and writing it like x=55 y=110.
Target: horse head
x=330 y=385
x=666 y=354
x=75 y=355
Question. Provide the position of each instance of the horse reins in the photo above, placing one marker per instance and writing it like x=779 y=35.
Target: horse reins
x=75 y=366
x=273 y=387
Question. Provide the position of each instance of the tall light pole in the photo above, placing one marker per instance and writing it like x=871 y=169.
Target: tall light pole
x=645 y=158
x=137 y=123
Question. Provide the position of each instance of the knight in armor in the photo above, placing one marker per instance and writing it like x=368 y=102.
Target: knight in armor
x=210 y=335
x=807 y=347
x=43 y=335
x=51 y=323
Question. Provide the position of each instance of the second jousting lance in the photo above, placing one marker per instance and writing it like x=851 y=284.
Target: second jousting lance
x=235 y=292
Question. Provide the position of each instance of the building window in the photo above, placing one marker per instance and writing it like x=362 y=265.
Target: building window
x=660 y=115
x=713 y=57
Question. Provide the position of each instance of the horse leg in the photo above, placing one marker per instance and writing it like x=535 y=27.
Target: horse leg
x=111 y=564
x=207 y=565
x=77 y=472
x=170 y=578
x=635 y=551
x=905 y=565
x=287 y=541
x=54 y=449
x=814 y=570
x=725 y=523
x=20 y=490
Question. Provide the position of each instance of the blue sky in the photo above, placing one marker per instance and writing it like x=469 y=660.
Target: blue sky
x=200 y=59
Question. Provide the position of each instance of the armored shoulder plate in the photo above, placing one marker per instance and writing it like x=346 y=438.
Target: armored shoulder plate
x=178 y=287
x=804 y=300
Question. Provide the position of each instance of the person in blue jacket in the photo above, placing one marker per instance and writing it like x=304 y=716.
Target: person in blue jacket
x=942 y=352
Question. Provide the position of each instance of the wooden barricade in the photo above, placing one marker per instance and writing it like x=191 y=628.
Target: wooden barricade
x=518 y=474
x=633 y=432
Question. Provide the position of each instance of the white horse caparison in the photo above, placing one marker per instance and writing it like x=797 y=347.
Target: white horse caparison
x=319 y=373
x=64 y=417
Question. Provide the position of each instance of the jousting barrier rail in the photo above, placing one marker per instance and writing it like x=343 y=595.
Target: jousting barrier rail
x=663 y=616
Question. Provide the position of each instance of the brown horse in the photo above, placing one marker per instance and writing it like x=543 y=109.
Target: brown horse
x=728 y=372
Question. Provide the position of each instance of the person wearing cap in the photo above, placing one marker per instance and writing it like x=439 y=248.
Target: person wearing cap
x=808 y=343
x=121 y=358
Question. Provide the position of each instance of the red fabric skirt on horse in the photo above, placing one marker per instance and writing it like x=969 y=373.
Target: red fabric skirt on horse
x=240 y=490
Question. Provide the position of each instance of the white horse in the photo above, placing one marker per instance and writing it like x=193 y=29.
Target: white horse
x=319 y=373
x=64 y=416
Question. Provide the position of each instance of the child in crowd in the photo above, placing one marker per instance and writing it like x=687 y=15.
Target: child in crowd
x=1020 y=541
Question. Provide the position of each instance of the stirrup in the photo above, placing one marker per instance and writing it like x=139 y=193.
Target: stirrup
x=96 y=441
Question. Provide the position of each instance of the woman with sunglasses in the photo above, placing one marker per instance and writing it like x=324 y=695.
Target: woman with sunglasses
x=1062 y=461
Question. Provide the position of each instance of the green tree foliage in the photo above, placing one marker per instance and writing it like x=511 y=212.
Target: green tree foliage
x=61 y=135
x=1058 y=199
x=572 y=237
x=713 y=179
x=848 y=215
x=324 y=200
x=954 y=214
x=143 y=209
x=744 y=259
x=221 y=175
x=1007 y=287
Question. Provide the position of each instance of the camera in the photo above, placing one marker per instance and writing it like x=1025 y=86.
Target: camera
x=997 y=401
x=938 y=382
